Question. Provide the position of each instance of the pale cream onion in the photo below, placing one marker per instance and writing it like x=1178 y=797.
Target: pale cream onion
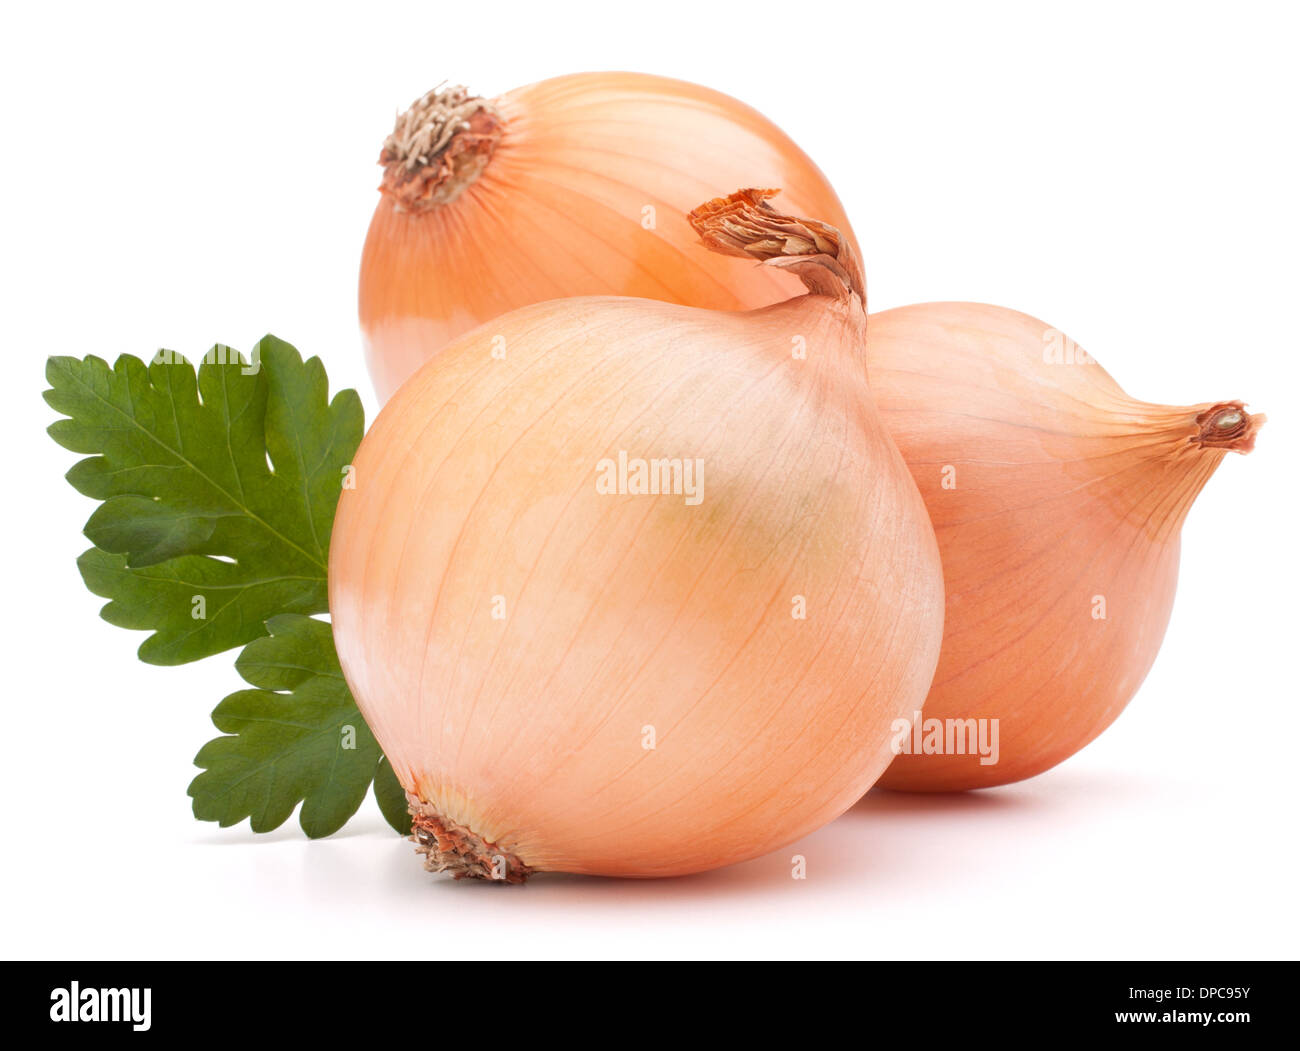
x=570 y=673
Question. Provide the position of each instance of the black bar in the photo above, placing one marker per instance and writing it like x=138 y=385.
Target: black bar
x=438 y=1002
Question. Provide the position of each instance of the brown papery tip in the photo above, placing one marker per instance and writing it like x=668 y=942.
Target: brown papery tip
x=451 y=847
x=438 y=147
x=1227 y=425
x=744 y=224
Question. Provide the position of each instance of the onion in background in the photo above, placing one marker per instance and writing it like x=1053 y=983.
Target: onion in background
x=1057 y=501
x=573 y=186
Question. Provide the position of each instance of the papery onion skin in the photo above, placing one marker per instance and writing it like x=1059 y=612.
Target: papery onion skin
x=550 y=200
x=522 y=740
x=1057 y=501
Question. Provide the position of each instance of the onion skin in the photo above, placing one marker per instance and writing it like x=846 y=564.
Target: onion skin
x=523 y=738
x=1062 y=489
x=557 y=210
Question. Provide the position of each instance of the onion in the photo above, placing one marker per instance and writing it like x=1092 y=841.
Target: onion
x=574 y=186
x=1057 y=501
x=569 y=673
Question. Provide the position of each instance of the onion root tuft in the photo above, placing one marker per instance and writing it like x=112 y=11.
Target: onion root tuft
x=438 y=148
x=450 y=847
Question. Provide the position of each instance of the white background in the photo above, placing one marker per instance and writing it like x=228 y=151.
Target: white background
x=1128 y=173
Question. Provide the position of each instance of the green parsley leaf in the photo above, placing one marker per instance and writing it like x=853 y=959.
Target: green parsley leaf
x=218 y=490
x=297 y=737
x=391 y=797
